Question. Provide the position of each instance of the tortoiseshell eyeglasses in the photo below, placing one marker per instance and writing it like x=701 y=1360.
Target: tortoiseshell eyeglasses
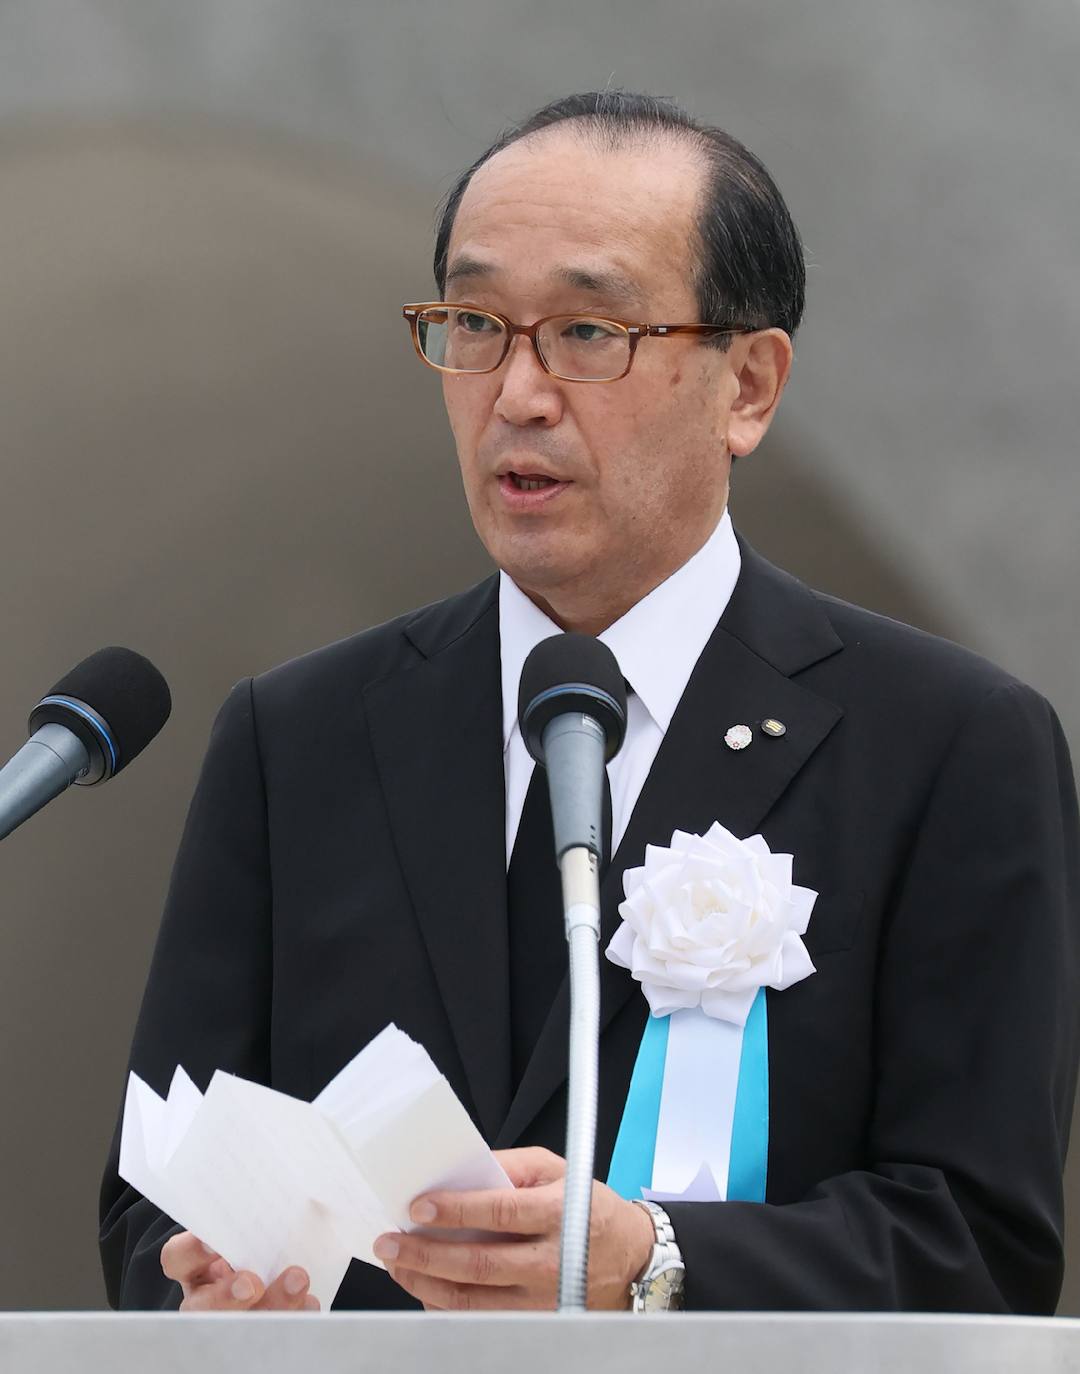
x=575 y=348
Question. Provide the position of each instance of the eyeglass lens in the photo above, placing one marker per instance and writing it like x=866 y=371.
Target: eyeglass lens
x=575 y=347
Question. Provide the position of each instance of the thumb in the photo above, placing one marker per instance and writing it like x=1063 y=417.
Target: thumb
x=531 y=1167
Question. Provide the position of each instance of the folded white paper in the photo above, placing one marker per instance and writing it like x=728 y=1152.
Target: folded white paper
x=269 y=1181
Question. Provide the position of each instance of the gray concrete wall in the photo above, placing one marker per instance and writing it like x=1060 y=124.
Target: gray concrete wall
x=208 y=456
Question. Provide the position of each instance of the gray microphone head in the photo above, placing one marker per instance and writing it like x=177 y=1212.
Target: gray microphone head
x=570 y=673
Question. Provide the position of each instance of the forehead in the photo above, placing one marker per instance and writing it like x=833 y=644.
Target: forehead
x=558 y=201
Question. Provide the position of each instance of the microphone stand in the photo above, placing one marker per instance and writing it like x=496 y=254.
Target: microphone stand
x=574 y=746
x=572 y=712
x=581 y=903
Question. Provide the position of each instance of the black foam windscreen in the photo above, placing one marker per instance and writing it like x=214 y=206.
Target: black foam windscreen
x=120 y=686
x=571 y=672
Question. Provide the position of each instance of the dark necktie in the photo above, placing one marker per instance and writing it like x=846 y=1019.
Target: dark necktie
x=538 y=952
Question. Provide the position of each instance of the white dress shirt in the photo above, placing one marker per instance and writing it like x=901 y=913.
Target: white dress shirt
x=657 y=643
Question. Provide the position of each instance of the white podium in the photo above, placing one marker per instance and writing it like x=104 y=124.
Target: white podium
x=359 y=1343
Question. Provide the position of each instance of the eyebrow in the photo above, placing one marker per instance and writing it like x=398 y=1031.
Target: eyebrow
x=604 y=283
x=611 y=284
x=467 y=267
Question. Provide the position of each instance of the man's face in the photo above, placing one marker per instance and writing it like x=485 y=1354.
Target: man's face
x=555 y=225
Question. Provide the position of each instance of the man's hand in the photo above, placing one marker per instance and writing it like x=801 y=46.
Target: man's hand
x=520 y=1269
x=211 y=1284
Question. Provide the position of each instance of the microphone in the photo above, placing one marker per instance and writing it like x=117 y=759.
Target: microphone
x=97 y=718
x=572 y=715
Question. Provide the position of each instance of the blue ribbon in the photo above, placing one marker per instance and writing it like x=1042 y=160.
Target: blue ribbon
x=635 y=1146
x=749 y=1161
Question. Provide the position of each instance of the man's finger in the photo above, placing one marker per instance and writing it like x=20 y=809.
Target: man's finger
x=186 y=1259
x=444 y=1296
x=236 y=1294
x=519 y=1211
x=287 y=1293
x=505 y=1264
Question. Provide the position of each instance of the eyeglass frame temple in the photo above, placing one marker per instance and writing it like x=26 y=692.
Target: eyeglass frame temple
x=634 y=332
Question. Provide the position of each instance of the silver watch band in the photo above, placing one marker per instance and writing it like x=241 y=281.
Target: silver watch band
x=660 y=1287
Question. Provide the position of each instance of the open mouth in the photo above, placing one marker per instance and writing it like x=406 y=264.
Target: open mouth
x=528 y=482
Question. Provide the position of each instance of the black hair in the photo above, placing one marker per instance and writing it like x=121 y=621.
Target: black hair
x=750 y=258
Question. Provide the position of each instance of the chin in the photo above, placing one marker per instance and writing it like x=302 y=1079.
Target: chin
x=543 y=580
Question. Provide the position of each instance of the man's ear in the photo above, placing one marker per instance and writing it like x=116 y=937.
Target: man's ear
x=761 y=367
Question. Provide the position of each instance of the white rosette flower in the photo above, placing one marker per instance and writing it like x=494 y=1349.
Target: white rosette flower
x=710 y=920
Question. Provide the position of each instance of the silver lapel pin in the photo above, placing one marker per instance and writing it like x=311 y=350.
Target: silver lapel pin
x=738 y=737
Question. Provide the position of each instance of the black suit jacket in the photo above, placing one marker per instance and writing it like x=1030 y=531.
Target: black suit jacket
x=343 y=866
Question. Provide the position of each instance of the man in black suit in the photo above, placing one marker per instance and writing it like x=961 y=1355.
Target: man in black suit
x=345 y=859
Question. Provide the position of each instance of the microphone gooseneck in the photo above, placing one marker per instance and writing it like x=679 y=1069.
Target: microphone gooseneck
x=572 y=715
x=85 y=730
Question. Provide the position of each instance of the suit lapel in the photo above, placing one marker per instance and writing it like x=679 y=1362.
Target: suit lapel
x=436 y=731
x=773 y=627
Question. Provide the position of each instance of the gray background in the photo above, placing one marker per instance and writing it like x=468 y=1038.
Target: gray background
x=219 y=449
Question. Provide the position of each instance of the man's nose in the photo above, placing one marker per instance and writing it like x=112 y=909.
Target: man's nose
x=529 y=395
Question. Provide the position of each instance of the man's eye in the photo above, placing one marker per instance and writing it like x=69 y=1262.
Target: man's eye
x=472 y=323
x=587 y=331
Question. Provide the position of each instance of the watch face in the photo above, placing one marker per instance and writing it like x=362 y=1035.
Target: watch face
x=665 y=1291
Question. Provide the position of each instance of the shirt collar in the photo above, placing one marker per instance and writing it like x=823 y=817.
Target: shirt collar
x=657 y=642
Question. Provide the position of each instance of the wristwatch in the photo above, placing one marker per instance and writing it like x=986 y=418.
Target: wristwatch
x=660 y=1287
